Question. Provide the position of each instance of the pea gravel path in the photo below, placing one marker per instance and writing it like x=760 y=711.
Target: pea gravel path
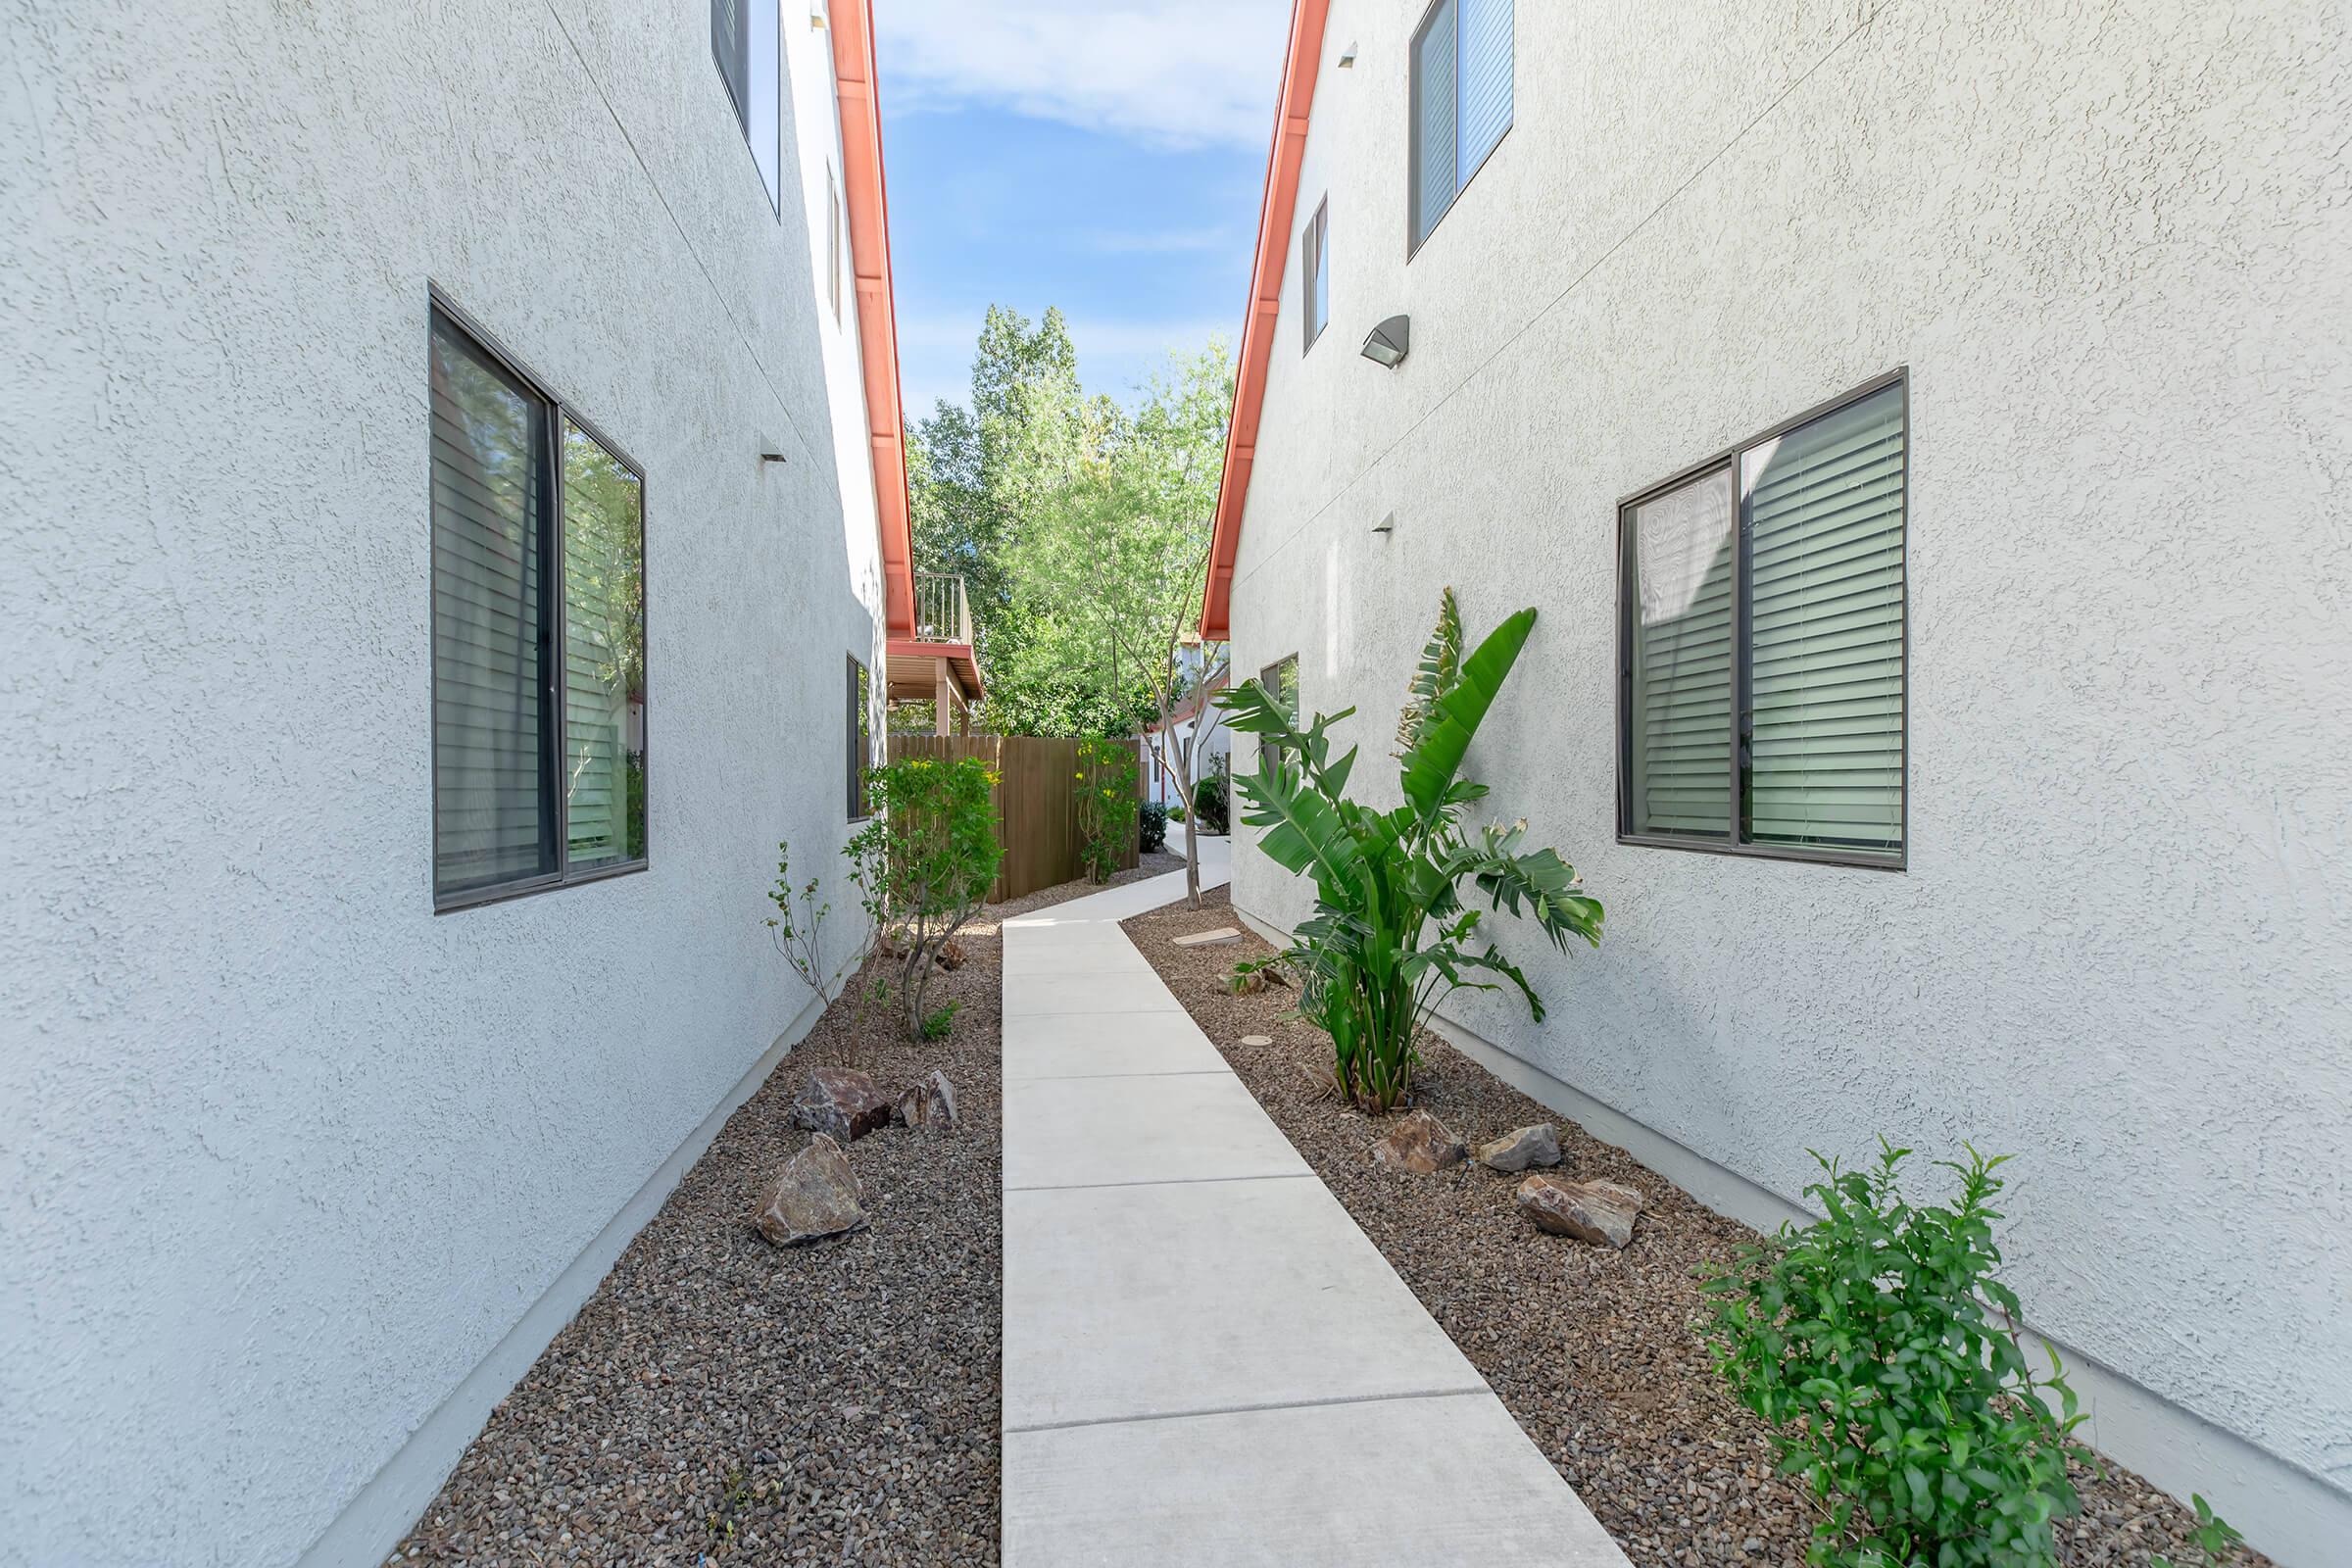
x=722 y=1401
x=1597 y=1353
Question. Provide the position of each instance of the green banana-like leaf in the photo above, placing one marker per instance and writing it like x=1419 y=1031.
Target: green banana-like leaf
x=1540 y=882
x=1435 y=755
x=1305 y=833
x=1440 y=667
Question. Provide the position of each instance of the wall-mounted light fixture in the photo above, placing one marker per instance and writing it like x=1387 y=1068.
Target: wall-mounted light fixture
x=816 y=16
x=1391 y=341
x=1387 y=524
x=1347 y=57
x=771 y=457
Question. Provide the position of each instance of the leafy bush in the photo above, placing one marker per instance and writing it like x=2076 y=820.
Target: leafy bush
x=925 y=860
x=1107 y=804
x=1176 y=812
x=1390 y=937
x=940 y=1022
x=1151 y=819
x=1881 y=1345
x=1210 y=804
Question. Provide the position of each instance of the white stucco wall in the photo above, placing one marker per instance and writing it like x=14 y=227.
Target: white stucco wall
x=283 y=1156
x=2109 y=243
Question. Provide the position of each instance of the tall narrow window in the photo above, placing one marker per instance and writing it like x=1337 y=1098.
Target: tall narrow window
x=1763 y=644
x=833 y=242
x=1314 y=271
x=1281 y=681
x=536 y=781
x=747 y=41
x=1462 y=102
x=860 y=700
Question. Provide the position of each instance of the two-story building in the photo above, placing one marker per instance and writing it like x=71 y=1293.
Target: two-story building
x=1924 y=431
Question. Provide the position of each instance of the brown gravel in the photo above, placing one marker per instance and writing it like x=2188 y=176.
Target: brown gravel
x=722 y=1401
x=1596 y=1352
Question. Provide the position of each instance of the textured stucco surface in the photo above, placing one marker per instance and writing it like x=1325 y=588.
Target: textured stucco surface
x=2109 y=242
x=282 y=1154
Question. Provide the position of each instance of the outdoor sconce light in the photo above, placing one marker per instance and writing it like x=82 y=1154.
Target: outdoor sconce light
x=1389 y=342
x=771 y=457
x=1347 y=60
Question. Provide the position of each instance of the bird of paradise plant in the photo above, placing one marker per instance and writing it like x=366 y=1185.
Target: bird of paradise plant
x=1391 y=936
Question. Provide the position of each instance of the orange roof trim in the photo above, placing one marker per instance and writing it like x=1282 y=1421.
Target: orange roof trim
x=1274 y=216
x=853 y=27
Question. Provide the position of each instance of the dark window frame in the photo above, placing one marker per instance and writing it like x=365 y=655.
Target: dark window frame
x=1412 y=133
x=739 y=100
x=1315 y=240
x=859 y=739
x=739 y=94
x=1743 y=655
x=554 y=614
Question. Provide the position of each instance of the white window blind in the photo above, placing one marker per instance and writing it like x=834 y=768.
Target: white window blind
x=1681 y=723
x=1485 y=77
x=1771 y=628
x=1826 y=642
x=1462 y=101
x=492 y=821
x=731 y=47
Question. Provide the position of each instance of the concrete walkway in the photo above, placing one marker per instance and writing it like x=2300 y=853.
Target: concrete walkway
x=1206 y=1363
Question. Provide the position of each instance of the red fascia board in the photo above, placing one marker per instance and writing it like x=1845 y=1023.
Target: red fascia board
x=863 y=193
x=1275 y=212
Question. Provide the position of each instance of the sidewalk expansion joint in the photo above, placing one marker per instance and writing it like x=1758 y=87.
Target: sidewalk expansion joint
x=1253 y=1409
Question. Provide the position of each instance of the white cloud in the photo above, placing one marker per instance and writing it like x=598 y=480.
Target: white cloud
x=1174 y=72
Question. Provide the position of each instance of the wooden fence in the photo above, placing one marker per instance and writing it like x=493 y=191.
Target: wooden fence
x=1037 y=814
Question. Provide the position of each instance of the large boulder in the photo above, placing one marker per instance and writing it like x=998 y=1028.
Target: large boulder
x=1539 y=1145
x=814 y=1196
x=1420 y=1144
x=929 y=1105
x=843 y=1103
x=1600 y=1212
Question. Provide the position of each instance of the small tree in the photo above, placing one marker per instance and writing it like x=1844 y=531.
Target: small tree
x=796 y=928
x=1107 y=803
x=926 y=860
x=1391 y=936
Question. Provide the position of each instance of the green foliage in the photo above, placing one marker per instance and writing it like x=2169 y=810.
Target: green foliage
x=1211 y=806
x=925 y=860
x=1151 y=818
x=2215 y=1539
x=940 y=1021
x=1253 y=975
x=797 y=926
x=1391 y=936
x=1106 y=797
x=1883 y=1346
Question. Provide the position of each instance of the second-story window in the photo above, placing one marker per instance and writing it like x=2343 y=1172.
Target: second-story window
x=1314 y=271
x=1462 y=102
x=745 y=39
x=833 y=227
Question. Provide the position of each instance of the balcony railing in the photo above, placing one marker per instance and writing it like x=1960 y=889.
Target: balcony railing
x=943 y=613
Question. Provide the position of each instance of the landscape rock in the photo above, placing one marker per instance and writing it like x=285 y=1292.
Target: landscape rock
x=1321 y=1081
x=843 y=1103
x=1420 y=1144
x=1210 y=939
x=929 y=1105
x=1539 y=1145
x=1256 y=1040
x=1600 y=1212
x=813 y=1197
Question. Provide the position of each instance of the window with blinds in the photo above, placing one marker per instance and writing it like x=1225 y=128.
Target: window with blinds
x=1314 y=272
x=1281 y=681
x=1462 y=102
x=861 y=701
x=536 y=780
x=731 y=47
x=747 y=42
x=1763 y=647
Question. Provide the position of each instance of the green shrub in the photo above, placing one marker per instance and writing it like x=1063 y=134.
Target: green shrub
x=1883 y=1349
x=925 y=860
x=940 y=1021
x=1391 y=936
x=1107 y=803
x=1152 y=822
x=1210 y=804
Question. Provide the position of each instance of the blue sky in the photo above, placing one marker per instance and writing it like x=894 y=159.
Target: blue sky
x=1105 y=155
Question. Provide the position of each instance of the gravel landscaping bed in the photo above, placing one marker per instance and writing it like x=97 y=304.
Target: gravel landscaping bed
x=722 y=1400
x=1596 y=1352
